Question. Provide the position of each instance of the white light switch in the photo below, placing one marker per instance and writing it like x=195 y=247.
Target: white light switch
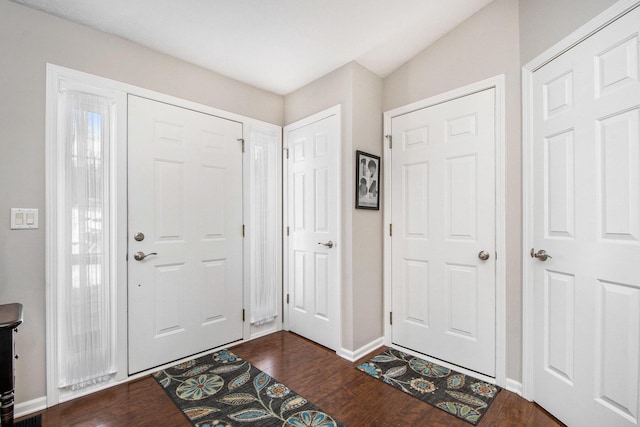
x=22 y=219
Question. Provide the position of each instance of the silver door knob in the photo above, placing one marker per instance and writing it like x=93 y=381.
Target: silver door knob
x=542 y=255
x=139 y=256
x=483 y=255
x=329 y=244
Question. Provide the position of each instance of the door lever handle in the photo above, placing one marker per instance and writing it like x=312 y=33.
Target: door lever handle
x=542 y=255
x=139 y=256
x=329 y=244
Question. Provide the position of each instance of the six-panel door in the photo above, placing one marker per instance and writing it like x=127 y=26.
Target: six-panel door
x=443 y=217
x=313 y=190
x=185 y=197
x=587 y=218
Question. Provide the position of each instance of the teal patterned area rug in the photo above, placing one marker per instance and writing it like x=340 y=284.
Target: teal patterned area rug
x=223 y=390
x=458 y=394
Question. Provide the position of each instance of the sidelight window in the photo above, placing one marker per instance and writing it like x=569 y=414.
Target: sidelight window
x=85 y=293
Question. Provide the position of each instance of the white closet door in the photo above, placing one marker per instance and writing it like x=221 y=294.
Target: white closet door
x=312 y=198
x=586 y=145
x=443 y=243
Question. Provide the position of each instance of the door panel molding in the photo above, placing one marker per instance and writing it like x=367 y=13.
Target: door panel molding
x=456 y=128
x=604 y=19
x=294 y=219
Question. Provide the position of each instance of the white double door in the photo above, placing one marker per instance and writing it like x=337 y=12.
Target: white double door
x=586 y=216
x=313 y=282
x=185 y=216
x=443 y=235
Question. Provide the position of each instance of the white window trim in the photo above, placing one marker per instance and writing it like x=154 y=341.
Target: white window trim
x=118 y=173
x=57 y=79
x=255 y=331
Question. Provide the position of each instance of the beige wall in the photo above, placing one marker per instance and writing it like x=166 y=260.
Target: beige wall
x=484 y=46
x=28 y=40
x=367 y=224
x=359 y=92
x=543 y=23
x=494 y=41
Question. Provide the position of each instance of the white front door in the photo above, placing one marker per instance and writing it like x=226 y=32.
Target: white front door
x=443 y=284
x=586 y=217
x=185 y=215
x=313 y=247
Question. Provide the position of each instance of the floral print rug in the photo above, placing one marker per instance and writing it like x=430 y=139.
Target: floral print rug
x=460 y=395
x=223 y=390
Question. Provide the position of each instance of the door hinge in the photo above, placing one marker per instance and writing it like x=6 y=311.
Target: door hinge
x=287 y=298
x=243 y=230
x=390 y=230
x=390 y=138
x=391 y=317
x=286 y=152
x=243 y=314
x=287 y=230
x=242 y=141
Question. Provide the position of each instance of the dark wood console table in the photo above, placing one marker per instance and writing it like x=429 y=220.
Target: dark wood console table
x=10 y=318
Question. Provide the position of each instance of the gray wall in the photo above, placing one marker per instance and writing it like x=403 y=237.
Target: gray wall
x=360 y=93
x=543 y=23
x=28 y=40
x=484 y=46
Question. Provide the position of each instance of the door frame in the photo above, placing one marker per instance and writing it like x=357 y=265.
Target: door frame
x=336 y=110
x=54 y=76
x=611 y=14
x=497 y=83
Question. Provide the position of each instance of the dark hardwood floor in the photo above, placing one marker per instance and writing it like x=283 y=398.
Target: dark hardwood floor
x=313 y=371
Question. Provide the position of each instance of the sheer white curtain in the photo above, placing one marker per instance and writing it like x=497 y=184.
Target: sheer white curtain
x=86 y=352
x=264 y=226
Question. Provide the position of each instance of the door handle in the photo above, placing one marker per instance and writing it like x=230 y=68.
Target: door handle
x=542 y=255
x=483 y=255
x=329 y=244
x=139 y=256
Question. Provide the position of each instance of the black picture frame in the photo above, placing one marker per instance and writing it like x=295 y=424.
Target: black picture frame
x=367 y=181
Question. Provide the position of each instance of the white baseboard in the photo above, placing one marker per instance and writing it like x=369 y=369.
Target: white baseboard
x=514 y=386
x=264 y=330
x=352 y=356
x=29 y=407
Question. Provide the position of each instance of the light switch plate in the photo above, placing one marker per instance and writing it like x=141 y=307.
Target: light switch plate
x=24 y=219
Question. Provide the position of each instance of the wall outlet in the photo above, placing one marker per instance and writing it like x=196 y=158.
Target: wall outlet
x=24 y=219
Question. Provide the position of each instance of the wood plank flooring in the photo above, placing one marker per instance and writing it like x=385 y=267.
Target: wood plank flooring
x=313 y=371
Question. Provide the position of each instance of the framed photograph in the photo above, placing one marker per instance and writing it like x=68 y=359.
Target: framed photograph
x=367 y=181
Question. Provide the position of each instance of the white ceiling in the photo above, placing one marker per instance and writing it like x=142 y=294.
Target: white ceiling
x=276 y=45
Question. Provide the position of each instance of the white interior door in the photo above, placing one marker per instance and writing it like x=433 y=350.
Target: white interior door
x=443 y=240
x=185 y=214
x=312 y=199
x=586 y=216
